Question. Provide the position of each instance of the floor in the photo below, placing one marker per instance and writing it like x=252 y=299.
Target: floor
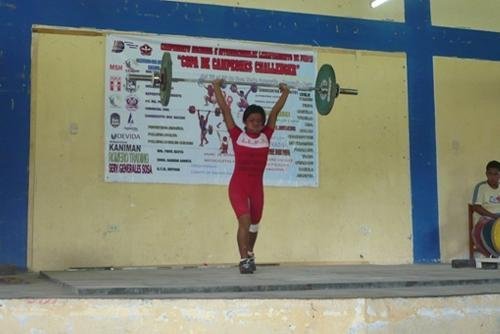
x=268 y=282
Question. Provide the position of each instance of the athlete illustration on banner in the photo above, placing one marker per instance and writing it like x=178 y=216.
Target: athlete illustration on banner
x=205 y=128
x=243 y=103
x=203 y=123
x=224 y=143
x=210 y=95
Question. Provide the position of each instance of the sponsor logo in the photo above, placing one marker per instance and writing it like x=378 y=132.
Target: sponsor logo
x=124 y=168
x=132 y=65
x=118 y=46
x=149 y=61
x=125 y=136
x=154 y=68
x=125 y=147
x=114 y=120
x=132 y=102
x=130 y=122
x=130 y=126
x=115 y=101
x=131 y=45
x=131 y=86
x=146 y=50
x=115 y=67
x=115 y=83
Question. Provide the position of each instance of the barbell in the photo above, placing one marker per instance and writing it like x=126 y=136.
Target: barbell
x=326 y=88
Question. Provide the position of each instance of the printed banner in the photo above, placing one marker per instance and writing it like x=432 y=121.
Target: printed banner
x=187 y=140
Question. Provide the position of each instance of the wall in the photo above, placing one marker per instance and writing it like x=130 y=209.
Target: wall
x=467 y=116
x=468 y=128
x=79 y=220
x=481 y=15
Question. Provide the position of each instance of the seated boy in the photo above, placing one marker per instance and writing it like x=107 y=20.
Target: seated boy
x=486 y=197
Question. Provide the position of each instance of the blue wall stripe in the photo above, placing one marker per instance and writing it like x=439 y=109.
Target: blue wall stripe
x=226 y=22
x=424 y=194
x=417 y=37
x=15 y=46
x=474 y=44
x=425 y=215
x=14 y=138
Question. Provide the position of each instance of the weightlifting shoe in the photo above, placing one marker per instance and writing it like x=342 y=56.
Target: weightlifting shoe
x=251 y=259
x=245 y=266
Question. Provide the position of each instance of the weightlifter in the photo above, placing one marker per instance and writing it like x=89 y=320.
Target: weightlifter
x=251 y=148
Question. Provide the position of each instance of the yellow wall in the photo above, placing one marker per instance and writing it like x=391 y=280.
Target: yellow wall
x=468 y=132
x=478 y=15
x=360 y=212
x=391 y=11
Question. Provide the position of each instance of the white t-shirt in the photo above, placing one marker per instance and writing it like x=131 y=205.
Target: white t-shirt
x=487 y=197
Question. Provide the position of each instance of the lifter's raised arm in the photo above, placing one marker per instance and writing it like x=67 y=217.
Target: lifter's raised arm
x=273 y=115
x=226 y=111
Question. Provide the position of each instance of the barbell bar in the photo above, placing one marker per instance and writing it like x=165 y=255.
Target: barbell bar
x=326 y=88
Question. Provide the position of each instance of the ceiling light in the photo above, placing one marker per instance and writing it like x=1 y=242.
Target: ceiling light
x=376 y=3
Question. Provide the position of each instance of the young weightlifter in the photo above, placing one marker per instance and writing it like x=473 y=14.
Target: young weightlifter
x=251 y=148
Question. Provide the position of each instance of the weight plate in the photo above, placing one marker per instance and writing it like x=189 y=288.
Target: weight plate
x=476 y=237
x=495 y=235
x=326 y=89
x=487 y=239
x=165 y=78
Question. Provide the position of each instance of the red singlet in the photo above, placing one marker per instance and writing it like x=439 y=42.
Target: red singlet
x=246 y=191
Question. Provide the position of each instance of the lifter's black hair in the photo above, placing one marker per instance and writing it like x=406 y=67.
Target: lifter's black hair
x=254 y=109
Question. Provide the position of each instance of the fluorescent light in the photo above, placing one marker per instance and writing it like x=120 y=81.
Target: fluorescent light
x=376 y=3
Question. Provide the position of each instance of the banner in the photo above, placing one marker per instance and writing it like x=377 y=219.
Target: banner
x=187 y=140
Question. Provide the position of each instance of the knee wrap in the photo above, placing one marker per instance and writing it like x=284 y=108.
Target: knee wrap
x=254 y=228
